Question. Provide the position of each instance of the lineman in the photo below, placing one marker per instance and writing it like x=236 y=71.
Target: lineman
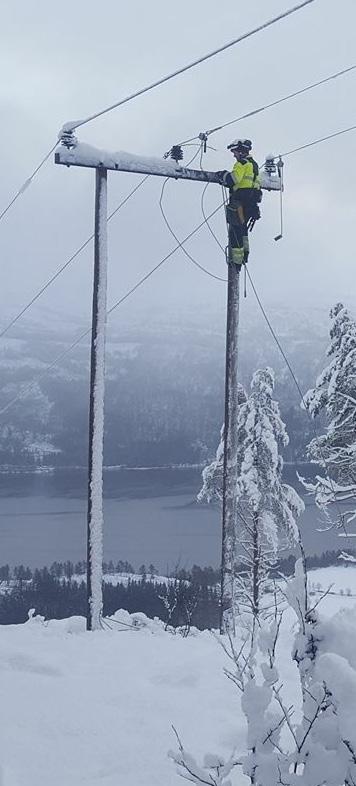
x=245 y=193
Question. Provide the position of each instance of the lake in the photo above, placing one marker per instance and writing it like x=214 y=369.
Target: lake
x=150 y=515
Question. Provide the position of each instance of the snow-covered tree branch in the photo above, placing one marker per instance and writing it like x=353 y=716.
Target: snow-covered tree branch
x=312 y=747
x=334 y=396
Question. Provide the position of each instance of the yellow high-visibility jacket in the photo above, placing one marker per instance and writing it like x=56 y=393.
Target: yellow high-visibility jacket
x=243 y=176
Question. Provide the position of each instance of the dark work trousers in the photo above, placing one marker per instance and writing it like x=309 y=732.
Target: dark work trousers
x=238 y=212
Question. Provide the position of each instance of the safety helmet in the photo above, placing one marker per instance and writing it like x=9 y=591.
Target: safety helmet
x=243 y=146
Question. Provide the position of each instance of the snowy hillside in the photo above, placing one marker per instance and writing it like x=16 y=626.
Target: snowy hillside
x=80 y=708
x=164 y=389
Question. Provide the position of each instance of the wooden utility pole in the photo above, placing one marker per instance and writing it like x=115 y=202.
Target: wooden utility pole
x=96 y=408
x=228 y=547
x=72 y=153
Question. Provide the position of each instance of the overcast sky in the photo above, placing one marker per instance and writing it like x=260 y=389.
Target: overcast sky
x=60 y=62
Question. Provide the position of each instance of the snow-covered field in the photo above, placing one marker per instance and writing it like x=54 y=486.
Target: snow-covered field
x=124 y=578
x=97 y=708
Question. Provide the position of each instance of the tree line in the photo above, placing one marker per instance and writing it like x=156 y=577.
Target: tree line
x=191 y=594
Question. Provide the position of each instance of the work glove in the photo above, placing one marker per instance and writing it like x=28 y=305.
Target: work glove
x=222 y=176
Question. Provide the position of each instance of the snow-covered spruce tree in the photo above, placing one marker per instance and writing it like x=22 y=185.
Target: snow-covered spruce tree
x=334 y=396
x=315 y=751
x=320 y=753
x=267 y=508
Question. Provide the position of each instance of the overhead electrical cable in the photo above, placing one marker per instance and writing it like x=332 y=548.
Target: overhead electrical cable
x=187 y=254
x=275 y=103
x=71 y=126
x=149 y=274
x=288 y=364
x=293 y=375
x=224 y=198
x=211 y=131
x=76 y=124
x=118 y=303
x=202 y=207
x=283 y=155
x=318 y=141
x=74 y=256
x=28 y=181
x=67 y=263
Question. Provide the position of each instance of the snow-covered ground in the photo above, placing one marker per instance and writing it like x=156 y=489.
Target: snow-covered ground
x=97 y=708
x=9 y=586
x=124 y=578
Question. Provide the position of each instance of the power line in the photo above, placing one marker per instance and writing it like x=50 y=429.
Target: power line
x=253 y=112
x=187 y=254
x=76 y=124
x=28 y=181
x=276 y=102
x=276 y=339
x=288 y=364
x=71 y=126
x=202 y=207
x=73 y=257
x=283 y=155
x=212 y=130
x=67 y=263
x=169 y=227
x=110 y=311
x=149 y=274
x=78 y=251
x=317 y=141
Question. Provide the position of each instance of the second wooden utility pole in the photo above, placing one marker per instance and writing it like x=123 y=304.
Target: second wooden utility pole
x=96 y=408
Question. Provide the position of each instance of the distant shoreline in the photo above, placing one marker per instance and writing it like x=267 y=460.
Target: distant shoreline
x=18 y=469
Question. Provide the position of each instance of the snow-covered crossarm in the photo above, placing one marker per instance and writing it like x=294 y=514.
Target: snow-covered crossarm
x=87 y=156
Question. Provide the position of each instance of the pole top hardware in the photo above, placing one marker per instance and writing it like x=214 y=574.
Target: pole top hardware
x=176 y=153
x=203 y=136
x=280 y=165
x=270 y=165
x=68 y=139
